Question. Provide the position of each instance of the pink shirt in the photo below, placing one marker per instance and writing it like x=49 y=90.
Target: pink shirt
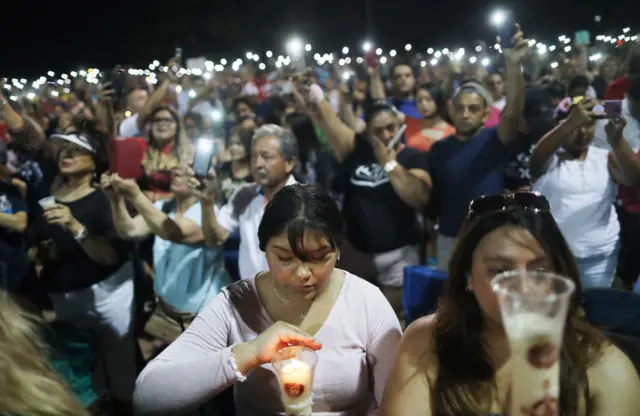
x=359 y=338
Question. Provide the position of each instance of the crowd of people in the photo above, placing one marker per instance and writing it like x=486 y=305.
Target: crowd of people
x=321 y=185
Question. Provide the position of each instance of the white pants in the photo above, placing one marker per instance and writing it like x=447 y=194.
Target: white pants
x=444 y=249
x=107 y=310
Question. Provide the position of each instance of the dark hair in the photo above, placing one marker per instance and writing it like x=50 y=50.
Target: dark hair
x=436 y=93
x=634 y=89
x=197 y=119
x=465 y=372
x=556 y=89
x=246 y=137
x=633 y=65
x=373 y=108
x=398 y=64
x=579 y=81
x=240 y=100
x=299 y=208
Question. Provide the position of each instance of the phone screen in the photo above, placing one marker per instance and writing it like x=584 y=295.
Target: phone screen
x=507 y=31
x=372 y=59
x=205 y=149
x=613 y=108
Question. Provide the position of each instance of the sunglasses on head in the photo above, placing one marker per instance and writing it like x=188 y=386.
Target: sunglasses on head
x=485 y=204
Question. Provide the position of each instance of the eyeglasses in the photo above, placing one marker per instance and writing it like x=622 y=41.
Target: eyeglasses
x=494 y=203
x=163 y=120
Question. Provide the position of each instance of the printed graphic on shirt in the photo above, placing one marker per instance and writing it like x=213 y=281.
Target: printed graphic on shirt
x=370 y=175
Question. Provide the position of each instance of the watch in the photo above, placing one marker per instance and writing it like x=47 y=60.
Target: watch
x=390 y=166
x=81 y=235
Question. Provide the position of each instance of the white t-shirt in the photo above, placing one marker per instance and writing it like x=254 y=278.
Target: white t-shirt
x=129 y=127
x=251 y=260
x=581 y=195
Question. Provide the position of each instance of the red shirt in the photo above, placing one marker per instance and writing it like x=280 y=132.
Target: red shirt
x=618 y=89
x=630 y=197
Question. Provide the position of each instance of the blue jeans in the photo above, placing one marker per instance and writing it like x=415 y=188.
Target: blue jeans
x=598 y=270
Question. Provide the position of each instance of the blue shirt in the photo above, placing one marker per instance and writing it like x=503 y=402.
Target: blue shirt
x=407 y=107
x=463 y=170
x=187 y=276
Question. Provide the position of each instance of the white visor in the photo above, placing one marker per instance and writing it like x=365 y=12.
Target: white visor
x=75 y=139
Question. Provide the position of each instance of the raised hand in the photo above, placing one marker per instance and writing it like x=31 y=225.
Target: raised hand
x=205 y=189
x=128 y=188
x=614 y=130
x=582 y=113
x=520 y=49
x=107 y=186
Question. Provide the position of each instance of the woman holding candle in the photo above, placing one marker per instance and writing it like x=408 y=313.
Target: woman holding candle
x=301 y=300
x=458 y=360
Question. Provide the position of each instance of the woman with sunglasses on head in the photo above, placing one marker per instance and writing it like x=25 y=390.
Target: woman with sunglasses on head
x=303 y=299
x=580 y=181
x=457 y=361
x=84 y=265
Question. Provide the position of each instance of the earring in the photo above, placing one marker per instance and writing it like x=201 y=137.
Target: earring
x=338 y=257
x=468 y=288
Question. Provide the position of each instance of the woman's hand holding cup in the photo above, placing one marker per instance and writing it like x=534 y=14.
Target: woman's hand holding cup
x=261 y=349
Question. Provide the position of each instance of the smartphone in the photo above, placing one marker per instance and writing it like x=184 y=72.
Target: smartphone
x=507 y=31
x=371 y=59
x=613 y=109
x=205 y=150
x=116 y=77
x=126 y=155
x=299 y=64
x=397 y=137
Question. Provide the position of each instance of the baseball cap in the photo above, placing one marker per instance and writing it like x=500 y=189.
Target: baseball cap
x=474 y=87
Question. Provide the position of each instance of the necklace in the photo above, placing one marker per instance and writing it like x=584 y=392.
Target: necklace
x=283 y=300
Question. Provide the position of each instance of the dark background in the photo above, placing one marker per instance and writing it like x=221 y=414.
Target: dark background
x=38 y=36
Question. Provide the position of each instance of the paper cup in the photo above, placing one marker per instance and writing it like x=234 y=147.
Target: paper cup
x=47 y=202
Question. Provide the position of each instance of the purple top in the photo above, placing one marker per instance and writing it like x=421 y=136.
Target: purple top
x=359 y=338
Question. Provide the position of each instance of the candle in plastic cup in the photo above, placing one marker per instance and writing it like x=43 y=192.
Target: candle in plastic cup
x=534 y=308
x=47 y=202
x=294 y=367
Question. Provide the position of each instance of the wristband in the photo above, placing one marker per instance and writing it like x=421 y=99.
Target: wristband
x=234 y=366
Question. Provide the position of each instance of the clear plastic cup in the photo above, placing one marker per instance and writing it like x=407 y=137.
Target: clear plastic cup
x=47 y=202
x=294 y=367
x=534 y=309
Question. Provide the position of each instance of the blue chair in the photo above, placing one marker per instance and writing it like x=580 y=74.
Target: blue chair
x=422 y=288
x=231 y=247
x=613 y=310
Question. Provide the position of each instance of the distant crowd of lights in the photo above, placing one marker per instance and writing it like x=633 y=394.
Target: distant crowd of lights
x=294 y=47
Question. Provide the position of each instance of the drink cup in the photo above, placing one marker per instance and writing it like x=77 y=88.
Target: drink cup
x=47 y=202
x=534 y=309
x=294 y=367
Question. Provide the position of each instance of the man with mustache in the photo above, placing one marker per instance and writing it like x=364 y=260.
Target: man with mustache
x=274 y=157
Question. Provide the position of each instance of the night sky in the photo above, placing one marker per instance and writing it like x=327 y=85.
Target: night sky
x=58 y=35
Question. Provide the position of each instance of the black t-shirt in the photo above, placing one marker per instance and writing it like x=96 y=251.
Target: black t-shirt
x=14 y=263
x=377 y=219
x=68 y=267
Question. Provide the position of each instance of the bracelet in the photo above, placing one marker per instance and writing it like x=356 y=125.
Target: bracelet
x=234 y=366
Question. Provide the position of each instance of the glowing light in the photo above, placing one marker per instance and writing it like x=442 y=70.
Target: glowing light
x=625 y=30
x=498 y=17
x=383 y=60
x=156 y=63
x=31 y=96
x=552 y=48
x=438 y=54
x=567 y=49
x=262 y=66
x=392 y=53
x=294 y=46
x=269 y=54
x=223 y=61
x=13 y=98
x=367 y=46
x=216 y=115
x=542 y=50
x=359 y=60
x=249 y=55
x=473 y=60
x=192 y=94
x=434 y=62
x=378 y=51
x=445 y=51
x=407 y=47
x=478 y=48
x=74 y=74
x=51 y=74
x=345 y=50
x=54 y=93
x=430 y=51
x=562 y=38
x=307 y=47
x=423 y=64
x=486 y=62
x=554 y=65
x=218 y=68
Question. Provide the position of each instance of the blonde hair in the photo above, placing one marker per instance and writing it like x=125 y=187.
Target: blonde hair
x=155 y=160
x=29 y=385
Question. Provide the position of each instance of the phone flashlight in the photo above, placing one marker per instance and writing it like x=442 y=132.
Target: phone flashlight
x=216 y=115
